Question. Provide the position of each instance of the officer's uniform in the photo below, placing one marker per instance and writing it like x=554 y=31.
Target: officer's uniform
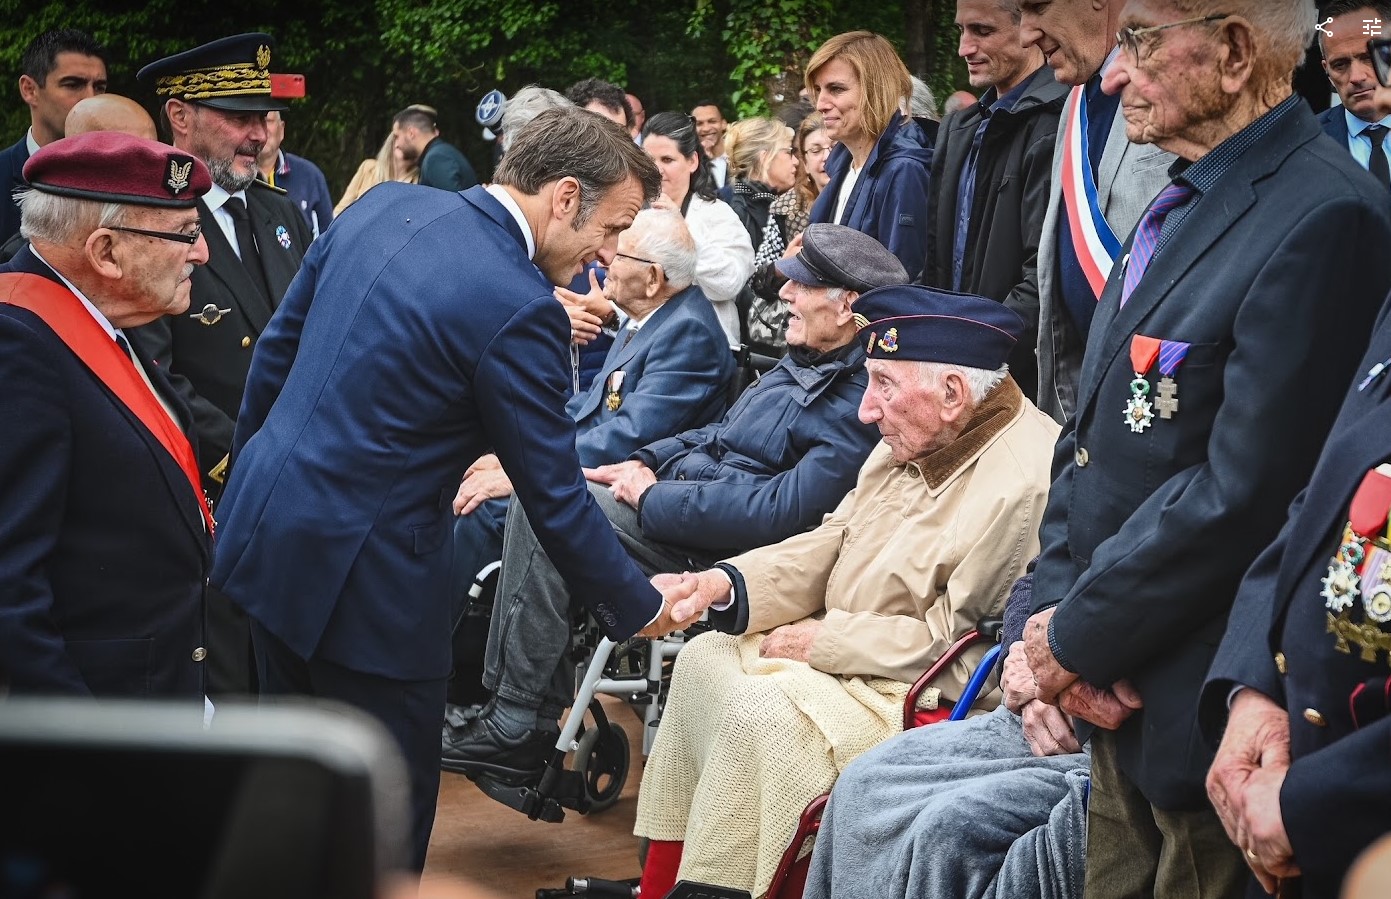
x=206 y=352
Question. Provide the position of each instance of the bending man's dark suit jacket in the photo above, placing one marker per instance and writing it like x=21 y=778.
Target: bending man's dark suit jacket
x=208 y=364
x=1275 y=284
x=362 y=413
x=103 y=553
x=1336 y=795
x=12 y=160
x=676 y=372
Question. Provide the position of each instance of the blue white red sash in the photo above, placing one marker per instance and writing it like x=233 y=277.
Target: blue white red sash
x=1093 y=240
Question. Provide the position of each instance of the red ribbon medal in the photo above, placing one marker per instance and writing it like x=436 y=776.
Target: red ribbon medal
x=1139 y=412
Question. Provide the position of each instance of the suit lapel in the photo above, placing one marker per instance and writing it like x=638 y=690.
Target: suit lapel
x=1204 y=225
x=227 y=267
x=1116 y=153
x=280 y=258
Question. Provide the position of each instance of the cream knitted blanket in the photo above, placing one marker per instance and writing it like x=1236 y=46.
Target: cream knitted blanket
x=744 y=744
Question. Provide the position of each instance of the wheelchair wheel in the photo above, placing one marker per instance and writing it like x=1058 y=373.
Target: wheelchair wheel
x=602 y=757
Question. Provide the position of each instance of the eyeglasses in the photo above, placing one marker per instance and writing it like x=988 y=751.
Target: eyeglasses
x=817 y=149
x=790 y=151
x=190 y=238
x=636 y=258
x=1380 y=48
x=1129 y=38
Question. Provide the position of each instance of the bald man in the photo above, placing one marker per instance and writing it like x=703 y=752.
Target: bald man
x=110 y=112
x=103 y=112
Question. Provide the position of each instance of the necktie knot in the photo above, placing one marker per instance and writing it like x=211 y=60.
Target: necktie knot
x=236 y=208
x=1146 y=241
x=1376 y=134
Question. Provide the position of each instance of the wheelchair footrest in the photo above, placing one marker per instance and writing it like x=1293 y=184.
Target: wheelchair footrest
x=546 y=800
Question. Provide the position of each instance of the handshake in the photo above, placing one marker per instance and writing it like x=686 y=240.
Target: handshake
x=685 y=597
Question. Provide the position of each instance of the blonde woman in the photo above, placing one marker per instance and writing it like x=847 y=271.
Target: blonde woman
x=387 y=165
x=880 y=172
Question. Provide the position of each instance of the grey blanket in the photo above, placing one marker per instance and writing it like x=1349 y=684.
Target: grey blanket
x=959 y=809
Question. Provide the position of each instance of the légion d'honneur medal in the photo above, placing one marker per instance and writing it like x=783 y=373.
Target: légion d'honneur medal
x=1359 y=575
x=1139 y=411
x=613 y=401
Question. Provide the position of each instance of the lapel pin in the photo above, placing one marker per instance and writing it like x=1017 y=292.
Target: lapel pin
x=210 y=315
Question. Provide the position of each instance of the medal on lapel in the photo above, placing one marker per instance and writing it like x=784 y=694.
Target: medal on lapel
x=1361 y=570
x=613 y=402
x=210 y=315
x=1139 y=412
x=1171 y=356
x=282 y=235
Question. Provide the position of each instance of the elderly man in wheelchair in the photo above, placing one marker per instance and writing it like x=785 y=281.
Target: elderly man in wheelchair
x=821 y=634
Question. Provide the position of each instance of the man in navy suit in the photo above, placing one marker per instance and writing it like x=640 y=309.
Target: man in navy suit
x=106 y=538
x=1202 y=406
x=668 y=371
x=1356 y=124
x=421 y=332
x=59 y=68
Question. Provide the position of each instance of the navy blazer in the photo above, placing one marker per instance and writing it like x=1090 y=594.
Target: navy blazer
x=103 y=552
x=1337 y=792
x=1334 y=122
x=1146 y=535
x=676 y=372
x=12 y=160
x=395 y=360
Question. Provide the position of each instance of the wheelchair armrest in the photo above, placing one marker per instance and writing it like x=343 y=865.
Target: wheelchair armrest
x=954 y=652
x=990 y=628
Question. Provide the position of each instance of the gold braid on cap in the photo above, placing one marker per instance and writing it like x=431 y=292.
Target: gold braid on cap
x=861 y=322
x=232 y=80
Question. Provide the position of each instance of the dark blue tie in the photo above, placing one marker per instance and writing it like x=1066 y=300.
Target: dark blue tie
x=1377 y=165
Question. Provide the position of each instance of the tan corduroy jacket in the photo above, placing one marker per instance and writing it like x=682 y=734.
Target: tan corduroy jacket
x=916 y=554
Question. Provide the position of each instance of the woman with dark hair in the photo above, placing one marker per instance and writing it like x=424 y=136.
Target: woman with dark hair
x=880 y=174
x=724 y=251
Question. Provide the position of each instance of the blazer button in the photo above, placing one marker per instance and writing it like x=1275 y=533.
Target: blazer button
x=1280 y=662
x=1314 y=717
x=1081 y=457
x=245 y=342
x=200 y=654
x=681 y=477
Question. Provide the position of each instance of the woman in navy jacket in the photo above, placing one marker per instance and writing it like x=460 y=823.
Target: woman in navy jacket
x=881 y=167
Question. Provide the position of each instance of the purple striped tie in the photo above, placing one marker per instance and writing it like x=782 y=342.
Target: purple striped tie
x=1147 y=234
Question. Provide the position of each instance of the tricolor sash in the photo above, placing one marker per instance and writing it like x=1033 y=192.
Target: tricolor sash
x=1093 y=240
x=62 y=311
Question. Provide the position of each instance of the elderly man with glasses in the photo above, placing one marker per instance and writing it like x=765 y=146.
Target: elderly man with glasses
x=1203 y=402
x=106 y=539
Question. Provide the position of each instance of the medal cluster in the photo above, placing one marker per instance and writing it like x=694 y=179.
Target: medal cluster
x=1359 y=579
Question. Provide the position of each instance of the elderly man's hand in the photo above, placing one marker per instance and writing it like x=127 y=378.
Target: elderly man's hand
x=627 y=480
x=791 y=641
x=685 y=597
x=480 y=486
x=1107 y=709
x=1050 y=678
x=584 y=326
x=1262 y=828
x=1017 y=682
x=485 y=462
x=1048 y=731
x=1257 y=739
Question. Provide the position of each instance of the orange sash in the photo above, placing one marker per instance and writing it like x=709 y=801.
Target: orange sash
x=62 y=311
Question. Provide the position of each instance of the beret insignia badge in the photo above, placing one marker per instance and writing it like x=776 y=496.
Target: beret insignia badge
x=179 y=169
x=262 y=57
x=889 y=342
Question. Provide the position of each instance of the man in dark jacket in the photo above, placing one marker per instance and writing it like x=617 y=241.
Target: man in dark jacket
x=991 y=171
x=783 y=457
x=441 y=164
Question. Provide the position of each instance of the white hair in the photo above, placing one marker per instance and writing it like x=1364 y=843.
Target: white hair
x=923 y=104
x=662 y=236
x=1284 y=28
x=525 y=105
x=54 y=219
x=979 y=381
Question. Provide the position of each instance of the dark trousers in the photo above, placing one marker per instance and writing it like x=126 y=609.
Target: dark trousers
x=1135 y=849
x=411 y=711
x=527 y=660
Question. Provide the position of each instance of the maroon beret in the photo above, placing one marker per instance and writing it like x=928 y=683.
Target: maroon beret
x=112 y=167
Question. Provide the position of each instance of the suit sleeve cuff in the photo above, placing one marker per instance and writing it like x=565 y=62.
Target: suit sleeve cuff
x=1057 y=650
x=734 y=617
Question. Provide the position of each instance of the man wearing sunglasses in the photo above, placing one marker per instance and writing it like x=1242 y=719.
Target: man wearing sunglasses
x=1356 y=124
x=106 y=540
x=1203 y=401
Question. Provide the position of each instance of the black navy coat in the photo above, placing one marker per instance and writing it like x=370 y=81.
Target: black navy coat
x=1336 y=799
x=208 y=364
x=12 y=160
x=1146 y=535
x=103 y=553
x=363 y=411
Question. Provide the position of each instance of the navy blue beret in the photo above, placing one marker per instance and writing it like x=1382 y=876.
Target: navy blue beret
x=910 y=321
